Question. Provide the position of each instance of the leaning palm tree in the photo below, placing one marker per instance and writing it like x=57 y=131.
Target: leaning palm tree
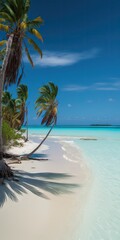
x=14 y=21
x=46 y=105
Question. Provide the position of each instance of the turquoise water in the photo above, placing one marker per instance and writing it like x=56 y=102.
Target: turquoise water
x=103 y=209
x=78 y=131
x=102 y=212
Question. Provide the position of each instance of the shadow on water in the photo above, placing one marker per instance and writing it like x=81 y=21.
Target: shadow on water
x=36 y=183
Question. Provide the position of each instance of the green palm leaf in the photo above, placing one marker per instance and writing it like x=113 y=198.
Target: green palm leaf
x=27 y=5
x=35 y=46
x=3 y=42
x=35 y=22
x=4 y=27
x=2 y=54
x=6 y=16
x=22 y=92
x=29 y=57
x=11 y=12
x=36 y=33
x=2 y=20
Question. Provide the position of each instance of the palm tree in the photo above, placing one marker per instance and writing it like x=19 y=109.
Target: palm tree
x=13 y=110
x=22 y=92
x=10 y=111
x=14 y=21
x=46 y=105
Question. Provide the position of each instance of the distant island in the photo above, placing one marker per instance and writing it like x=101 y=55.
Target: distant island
x=101 y=125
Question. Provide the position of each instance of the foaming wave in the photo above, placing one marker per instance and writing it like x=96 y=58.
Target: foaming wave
x=68 y=159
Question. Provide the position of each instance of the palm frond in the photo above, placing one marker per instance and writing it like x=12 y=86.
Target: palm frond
x=22 y=92
x=6 y=97
x=20 y=77
x=35 y=46
x=6 y=16
x=29 y=57
x=54 y=89
x=2 y=20
x=45 y=89
x=36 y=33
x=35 y=22
x=27 y=6
x=3 y=42
x=14 y=3
x=10 y=11
x=2 y=54
x=25 y=17
x=43 y=99
x=40 y=111
x=4 y=27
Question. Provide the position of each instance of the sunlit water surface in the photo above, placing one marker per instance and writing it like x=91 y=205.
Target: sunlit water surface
x=102 y=211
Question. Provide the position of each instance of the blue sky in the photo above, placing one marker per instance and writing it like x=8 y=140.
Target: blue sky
x=81 y=54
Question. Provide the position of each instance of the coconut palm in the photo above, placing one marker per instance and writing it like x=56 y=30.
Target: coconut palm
x=46 y=105
x=22 y=92
x=11 y=110
x=14 y=21
x=6 y=106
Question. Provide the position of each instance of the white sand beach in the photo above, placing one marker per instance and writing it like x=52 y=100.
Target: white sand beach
x=48 y=201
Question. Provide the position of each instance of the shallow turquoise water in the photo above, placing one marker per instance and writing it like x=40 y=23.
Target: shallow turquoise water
x=78 y=131
x=102 y=218
x=102 y=212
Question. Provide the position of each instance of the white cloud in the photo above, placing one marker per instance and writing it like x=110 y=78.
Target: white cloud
x=98 y=86
x=107 y=89
x=101 y=84
x=75 y=88
x=115 y=78
x=117 y=84
x=107 y=86
x=55 y=59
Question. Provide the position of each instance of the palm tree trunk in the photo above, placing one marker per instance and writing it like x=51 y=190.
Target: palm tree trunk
x=1 y=147
x=28 y=155
x=4 y=169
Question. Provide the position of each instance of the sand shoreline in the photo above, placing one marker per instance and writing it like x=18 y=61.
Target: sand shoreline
x=48 y=202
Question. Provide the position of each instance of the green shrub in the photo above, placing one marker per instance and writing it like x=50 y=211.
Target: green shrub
x=10 y=136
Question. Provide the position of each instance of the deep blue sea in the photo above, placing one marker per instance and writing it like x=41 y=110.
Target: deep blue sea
x=102 y=214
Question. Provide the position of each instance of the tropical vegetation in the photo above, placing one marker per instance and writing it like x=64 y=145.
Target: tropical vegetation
x=11 y=137
x=15 y=23
x=13 y=110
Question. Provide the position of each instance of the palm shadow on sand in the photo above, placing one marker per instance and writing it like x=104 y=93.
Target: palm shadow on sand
x=37 y=183
x=39 y=156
